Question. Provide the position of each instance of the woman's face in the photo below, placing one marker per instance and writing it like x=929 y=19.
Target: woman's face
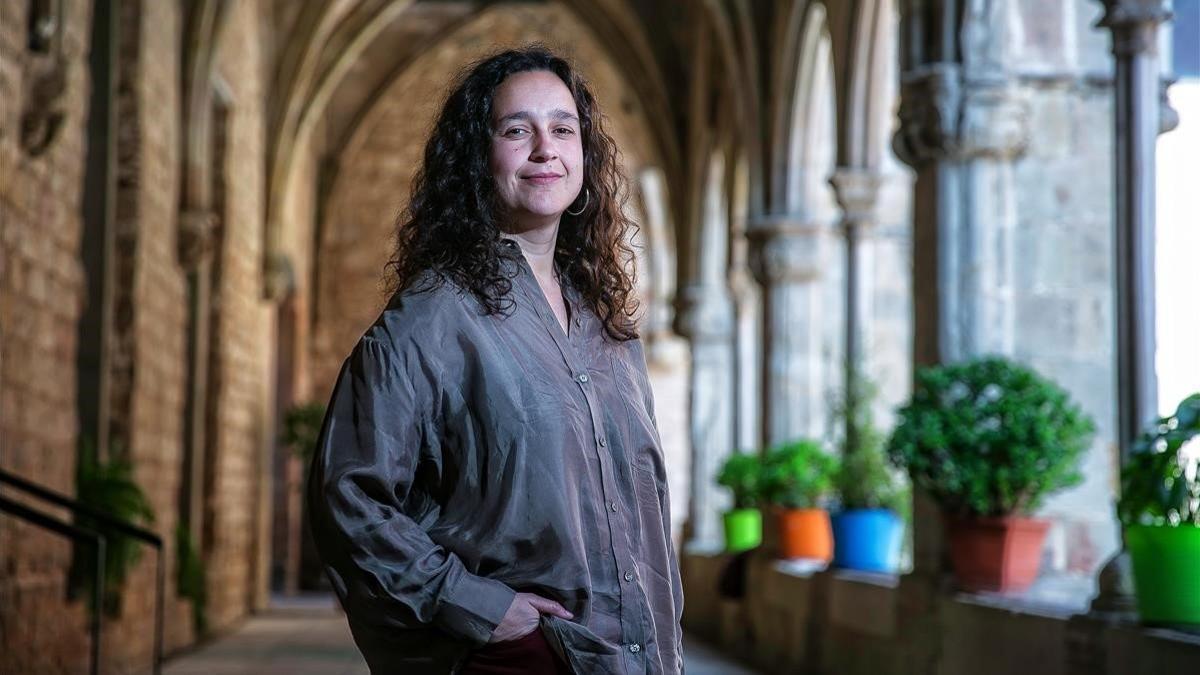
x=537 y=152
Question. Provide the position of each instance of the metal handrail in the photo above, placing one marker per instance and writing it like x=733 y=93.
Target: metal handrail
x=127 y=529
x=70 y=531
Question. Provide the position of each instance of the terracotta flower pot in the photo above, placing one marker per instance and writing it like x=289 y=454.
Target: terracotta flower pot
x=996 y=554
x=805 y=533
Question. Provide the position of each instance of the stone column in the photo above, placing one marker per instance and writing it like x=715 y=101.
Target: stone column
x=962 y=138
x=1139 y=116
x=857 y=193
x=963 y=122
x=961 y=135
x=197 y=228
x=1138 y=119
x=705 y=317
x=785 y=258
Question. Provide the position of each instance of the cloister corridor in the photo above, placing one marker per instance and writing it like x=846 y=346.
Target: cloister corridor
x=200 y=201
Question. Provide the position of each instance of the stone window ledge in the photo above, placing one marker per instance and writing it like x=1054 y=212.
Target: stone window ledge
x=1054 y=595
x=805 y=569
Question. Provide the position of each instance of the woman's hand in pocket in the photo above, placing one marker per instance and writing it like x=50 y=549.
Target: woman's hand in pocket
x=523 y=616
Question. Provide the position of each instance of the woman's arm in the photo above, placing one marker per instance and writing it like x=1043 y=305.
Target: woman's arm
x=383 y=565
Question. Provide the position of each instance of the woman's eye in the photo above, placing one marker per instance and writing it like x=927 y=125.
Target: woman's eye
x=516 y=131
x=564 y=131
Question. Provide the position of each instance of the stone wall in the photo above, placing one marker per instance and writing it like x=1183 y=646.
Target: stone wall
x=41 y=291
x=149 y=345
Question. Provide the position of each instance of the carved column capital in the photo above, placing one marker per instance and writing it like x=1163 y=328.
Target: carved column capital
x=197 y=230
x=857 y=193
x=943 y=116
x=930 y=98
x=784 y=251
x=44 y=109
x=1134 y=25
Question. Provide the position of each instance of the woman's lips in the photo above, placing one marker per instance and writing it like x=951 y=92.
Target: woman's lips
x=542 y=178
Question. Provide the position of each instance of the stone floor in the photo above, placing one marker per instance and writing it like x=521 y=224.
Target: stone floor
x=308 y=636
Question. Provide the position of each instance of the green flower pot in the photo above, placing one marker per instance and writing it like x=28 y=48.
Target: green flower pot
x=1165 y=564
x=743 y=529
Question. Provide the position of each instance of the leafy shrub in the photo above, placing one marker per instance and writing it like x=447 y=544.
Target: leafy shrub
x=798 y=475
x=1160 y=485
x=989 y=437
x=865 y=479
x=742 y=474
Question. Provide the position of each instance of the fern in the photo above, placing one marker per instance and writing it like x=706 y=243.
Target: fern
x=109 y=487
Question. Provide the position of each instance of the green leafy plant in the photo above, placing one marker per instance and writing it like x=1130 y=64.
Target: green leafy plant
x=1160 y=484
x=865 y=479
x=989 y=437
x=742 y=474
x=109 y=487
x=190 y=577
x=798 y=475
x=302 y=427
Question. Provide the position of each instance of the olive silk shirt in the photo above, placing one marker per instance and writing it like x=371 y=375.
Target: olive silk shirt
x=465 y=457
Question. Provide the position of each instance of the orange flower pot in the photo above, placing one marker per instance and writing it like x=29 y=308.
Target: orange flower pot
x=996 y=554
x=805 y=533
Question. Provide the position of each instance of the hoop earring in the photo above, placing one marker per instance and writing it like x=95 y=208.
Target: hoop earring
x=587 y=197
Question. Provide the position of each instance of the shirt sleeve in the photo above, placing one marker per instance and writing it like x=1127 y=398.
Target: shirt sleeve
x=384 y=567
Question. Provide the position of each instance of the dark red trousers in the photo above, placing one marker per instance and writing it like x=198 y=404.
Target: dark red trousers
x=529 y=655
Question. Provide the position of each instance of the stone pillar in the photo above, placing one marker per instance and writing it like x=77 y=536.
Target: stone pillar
x=961 y=135
x=705 y=317
x=857 y=193
x=785 y=258
x=197 y=227
x=962 y=138
x=963 y=123
x=1139 y=117
x=1138 y=120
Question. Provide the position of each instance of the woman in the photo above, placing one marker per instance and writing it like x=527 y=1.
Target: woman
x=488 y=493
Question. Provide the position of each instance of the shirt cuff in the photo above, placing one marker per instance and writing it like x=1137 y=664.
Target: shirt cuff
x=471 y=606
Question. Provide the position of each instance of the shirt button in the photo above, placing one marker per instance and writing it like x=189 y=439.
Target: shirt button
x=578 y=323
x=602 y=442
x=629 y=576
x=612 y=506
x=583 y=377
x=635 y=648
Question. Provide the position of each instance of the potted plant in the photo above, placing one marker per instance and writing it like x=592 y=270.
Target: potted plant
x=869 y=527
x=989 y=440
x=108 y=485
x=798 y=478
x=741 y=473
x=1160 y=511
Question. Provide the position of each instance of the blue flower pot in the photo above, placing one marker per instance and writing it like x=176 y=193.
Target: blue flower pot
x=867 y=540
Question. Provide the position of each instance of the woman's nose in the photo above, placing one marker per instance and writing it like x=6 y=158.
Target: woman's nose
x=543 y=148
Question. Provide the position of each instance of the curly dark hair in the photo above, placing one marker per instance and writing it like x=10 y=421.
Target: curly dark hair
x=452 y=223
